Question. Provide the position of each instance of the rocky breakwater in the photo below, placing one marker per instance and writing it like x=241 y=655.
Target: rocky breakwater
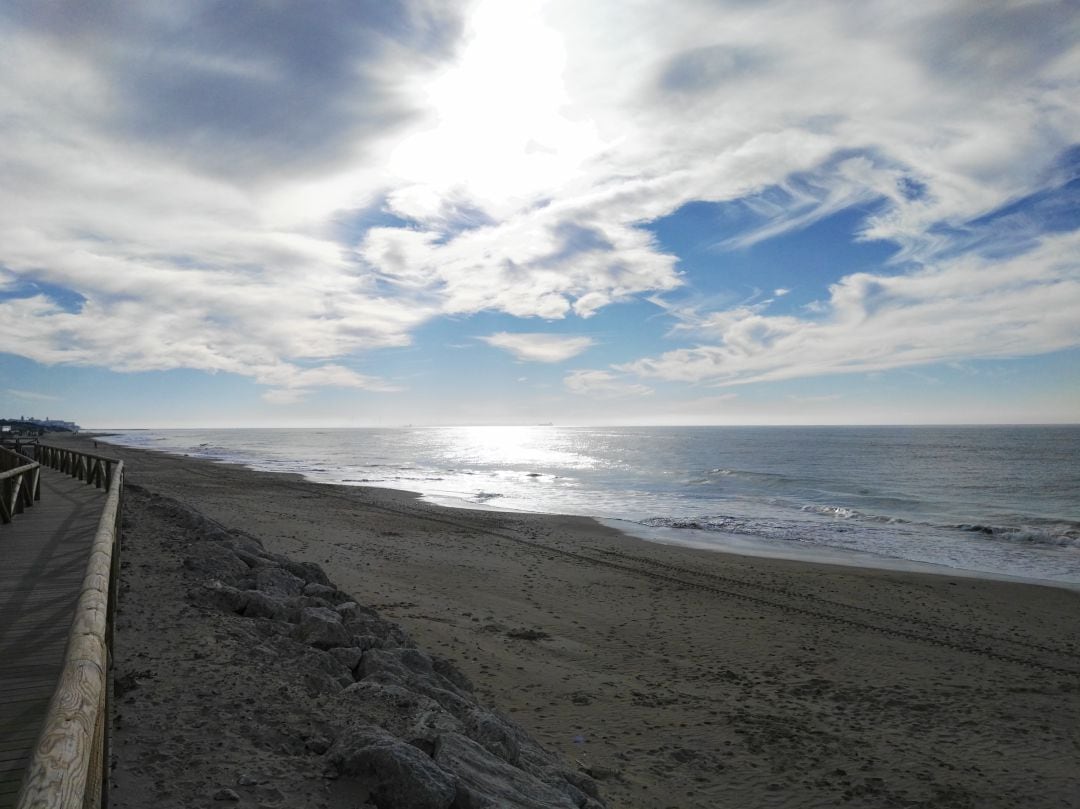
x=385 y=722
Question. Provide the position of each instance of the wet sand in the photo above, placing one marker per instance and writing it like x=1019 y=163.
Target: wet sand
x=689 y=678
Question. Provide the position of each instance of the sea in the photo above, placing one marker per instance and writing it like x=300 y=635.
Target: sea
x=998 y=501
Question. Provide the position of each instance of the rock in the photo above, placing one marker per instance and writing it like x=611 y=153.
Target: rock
x=327 y=593
x=250 y=603
x=602 y=773
x=365 y=642
x=410 y=664
x=318 y=744
x=389 y=701
x=322 y=672
x=257 y=558
x=279 y=582
x=428 y=725
x=413 y=669
x=219 y=596
x=226 y=794
x=258 y=604
x=399 y=775
x=351 y=611
x=250 y=557
x=407 y=714
x=583 y=782
x=573 y=794
x=497 y=735
x=312 y=601
x=176 y=512
x=242 y=539
x=322 y=628
x=487 y=782
x=348 y=656
x=451 y=672
x=306 y=571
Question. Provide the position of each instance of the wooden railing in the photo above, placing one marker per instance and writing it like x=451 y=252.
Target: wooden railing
x=91 y=468
x=69 y=768
x=20 y=483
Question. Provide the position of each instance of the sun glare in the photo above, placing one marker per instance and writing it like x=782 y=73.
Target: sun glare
x=499 y=132
x=509 y=445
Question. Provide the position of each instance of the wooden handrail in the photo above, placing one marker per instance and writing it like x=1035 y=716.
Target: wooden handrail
x=96 y=469
x=20 y=483
x=69 y=768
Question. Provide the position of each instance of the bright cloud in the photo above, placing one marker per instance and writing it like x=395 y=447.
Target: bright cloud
x=534 y=347
x=186 y=185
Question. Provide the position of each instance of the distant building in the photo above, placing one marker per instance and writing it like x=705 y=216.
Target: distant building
x=29 y=425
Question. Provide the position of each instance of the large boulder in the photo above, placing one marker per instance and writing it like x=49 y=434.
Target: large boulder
x=415 y=670
x=256 y=558
x=348 y=656
x=321 y=672
x=398 y=775
x=496 y=734
x=267 y=605
x=322 y=628
x=218 y=595
x=487 y=782
x=278 y=582
x=366 y=622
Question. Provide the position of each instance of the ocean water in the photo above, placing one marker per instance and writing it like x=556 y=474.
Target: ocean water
x=997 y=500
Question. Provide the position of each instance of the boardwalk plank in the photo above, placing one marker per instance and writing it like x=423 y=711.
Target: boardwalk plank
x=43 y=556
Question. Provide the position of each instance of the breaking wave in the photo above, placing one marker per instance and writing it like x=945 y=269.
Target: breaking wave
x=1062 y=535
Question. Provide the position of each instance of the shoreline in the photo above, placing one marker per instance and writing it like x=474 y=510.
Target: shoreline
x=693 y=678
x=708 y=541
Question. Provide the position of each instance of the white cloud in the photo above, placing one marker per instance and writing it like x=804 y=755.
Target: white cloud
x=603 y=385
x=967 y=307
x=189 y=176
x=534 y=347
x=169 y=224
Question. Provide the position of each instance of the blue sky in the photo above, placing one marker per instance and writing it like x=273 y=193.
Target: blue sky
x=485 y=212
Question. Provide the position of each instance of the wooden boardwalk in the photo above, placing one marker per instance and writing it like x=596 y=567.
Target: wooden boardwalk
x=43 y=559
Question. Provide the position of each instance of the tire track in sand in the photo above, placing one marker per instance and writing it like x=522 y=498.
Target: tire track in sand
x=763 y=595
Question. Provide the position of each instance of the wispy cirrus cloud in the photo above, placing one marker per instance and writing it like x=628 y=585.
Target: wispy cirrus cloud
x=32 y=396
x=603 y=384
x=970 y=306
x=539 y=347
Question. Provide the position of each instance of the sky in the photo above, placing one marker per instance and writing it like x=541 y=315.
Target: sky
x=345 y=213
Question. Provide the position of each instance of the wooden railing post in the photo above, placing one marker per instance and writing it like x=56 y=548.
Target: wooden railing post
x=20 y=484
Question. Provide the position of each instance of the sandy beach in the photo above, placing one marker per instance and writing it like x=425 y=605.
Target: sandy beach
x=676 y=677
